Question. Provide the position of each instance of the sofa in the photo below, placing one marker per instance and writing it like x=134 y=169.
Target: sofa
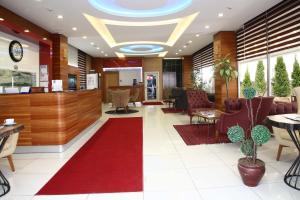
x=237 y=113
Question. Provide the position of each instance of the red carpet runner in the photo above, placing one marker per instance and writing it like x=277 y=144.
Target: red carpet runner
x=172 y=110
x=111 y=161
x=198 y=134
x=152 y=103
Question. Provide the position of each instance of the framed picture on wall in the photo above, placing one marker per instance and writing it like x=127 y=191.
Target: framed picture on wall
x=43 y=73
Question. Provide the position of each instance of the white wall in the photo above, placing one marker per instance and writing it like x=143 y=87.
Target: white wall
x=72 y=56
x=30 y=61
x=126 y=76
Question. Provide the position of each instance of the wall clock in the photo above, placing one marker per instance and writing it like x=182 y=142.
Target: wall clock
x=16 y=51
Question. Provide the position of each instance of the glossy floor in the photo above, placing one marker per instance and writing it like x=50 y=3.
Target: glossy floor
x=172 y=170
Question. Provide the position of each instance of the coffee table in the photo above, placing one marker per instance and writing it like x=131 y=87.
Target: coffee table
x=209 y=115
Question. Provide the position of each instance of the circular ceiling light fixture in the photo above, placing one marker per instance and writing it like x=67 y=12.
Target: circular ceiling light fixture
x=168 y=7
x=141 y=49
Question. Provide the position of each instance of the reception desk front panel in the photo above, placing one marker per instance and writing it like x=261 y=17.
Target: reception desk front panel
x=51 y=118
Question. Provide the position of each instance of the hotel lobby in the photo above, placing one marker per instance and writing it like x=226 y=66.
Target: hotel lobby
x=144 y=100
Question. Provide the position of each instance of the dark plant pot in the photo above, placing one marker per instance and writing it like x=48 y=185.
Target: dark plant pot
x=251 y=173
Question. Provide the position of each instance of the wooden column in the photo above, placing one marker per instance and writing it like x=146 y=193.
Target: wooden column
x=225 y=44
x=61 y=69
x=187 y=64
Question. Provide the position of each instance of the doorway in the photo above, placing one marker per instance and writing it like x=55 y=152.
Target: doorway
x=110 y=79
x=151 y=86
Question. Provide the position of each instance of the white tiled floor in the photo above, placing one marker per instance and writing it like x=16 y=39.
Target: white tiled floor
x=172 y=170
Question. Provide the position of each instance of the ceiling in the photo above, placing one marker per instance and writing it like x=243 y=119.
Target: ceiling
x=204 y=23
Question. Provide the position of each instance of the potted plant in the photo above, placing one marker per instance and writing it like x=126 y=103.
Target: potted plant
x=296 y=74
x=250 y=167
x=226 y=71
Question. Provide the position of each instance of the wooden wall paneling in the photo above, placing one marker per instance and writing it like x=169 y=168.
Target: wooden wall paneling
x=17 y=107
x=187 y=71
x=225 y=44
x=51 y=118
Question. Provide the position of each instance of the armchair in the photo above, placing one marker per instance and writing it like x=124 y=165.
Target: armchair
x=120 y=99
x=197 y=99
x=281 y=135
x=9 y=148
x=135 y=96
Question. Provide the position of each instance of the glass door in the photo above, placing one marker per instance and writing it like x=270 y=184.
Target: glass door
x=151 y=86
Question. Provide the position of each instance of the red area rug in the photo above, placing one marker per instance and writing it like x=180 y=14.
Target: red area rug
x=171 y=110
x=111 y=161
x=154 y=103
x=198 y=134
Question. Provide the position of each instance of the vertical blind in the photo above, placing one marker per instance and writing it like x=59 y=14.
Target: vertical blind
x=204 y=57
x=82 y=68
x=274 y=30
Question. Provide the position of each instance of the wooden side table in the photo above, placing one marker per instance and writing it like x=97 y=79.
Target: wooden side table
x=292 y=176
x=4 y=135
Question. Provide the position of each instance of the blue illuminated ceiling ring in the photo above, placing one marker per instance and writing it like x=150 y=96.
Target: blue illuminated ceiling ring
x=169 y=7
x=144 y=49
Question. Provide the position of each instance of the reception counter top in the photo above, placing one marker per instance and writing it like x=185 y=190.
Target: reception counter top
x=51 y=118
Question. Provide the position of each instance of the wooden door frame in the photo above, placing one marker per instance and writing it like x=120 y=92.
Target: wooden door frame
x=105 y=85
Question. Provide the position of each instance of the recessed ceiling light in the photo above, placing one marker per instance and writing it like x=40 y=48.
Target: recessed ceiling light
x=38 y=0
x=190 y=41
x=84 y=37
x=184 y=46
x=74 y=28
x=106 y=55
x=92 y=43
x=220 y=14
x=60 y=17
x=102 y=51
x=26 y=31
x=1 y=19
x=180 y=50
x=44 y=38
x=197 y=35
x=176 y=53
x=207 y=26
x=98 y=48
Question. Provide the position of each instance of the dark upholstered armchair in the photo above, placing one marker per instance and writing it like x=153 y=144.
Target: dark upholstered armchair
x=240 y=117
x=179 y=94
x=197 y=99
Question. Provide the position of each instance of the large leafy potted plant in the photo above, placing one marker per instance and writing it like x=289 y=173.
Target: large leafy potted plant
x=250 y=167
x=226 y=71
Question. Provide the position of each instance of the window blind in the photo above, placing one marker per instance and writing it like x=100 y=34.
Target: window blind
x=82 y=68
x=274 y=30
x=203 y=57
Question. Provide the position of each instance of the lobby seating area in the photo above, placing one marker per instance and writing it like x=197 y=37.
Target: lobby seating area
x=149 y=100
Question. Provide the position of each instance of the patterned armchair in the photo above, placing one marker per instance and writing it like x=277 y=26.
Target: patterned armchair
x=197 y=99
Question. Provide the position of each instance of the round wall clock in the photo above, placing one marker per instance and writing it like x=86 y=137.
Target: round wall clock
x=16 y=51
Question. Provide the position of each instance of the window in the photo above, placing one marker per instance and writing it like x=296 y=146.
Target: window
x=288 y=58
x=207 y=74
x=251 y=66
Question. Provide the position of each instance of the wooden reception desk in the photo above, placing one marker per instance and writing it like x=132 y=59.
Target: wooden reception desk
x=51 y=118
